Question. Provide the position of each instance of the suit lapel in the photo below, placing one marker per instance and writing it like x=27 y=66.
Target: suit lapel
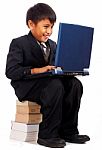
x=52 y=52
x=35 y=48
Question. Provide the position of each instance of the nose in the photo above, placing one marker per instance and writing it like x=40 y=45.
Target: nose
x=49 y=30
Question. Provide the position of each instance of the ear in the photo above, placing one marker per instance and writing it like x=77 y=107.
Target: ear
x=30 y=24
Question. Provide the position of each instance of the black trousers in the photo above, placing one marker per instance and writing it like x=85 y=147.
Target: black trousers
x=60 y=102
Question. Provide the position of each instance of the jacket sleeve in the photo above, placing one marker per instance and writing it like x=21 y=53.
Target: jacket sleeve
x=15 y=69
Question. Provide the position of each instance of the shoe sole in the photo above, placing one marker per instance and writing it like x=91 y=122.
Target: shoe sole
x=77 y=142
x=41 y=142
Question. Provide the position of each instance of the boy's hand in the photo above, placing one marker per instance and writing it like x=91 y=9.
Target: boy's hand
x=43 y=69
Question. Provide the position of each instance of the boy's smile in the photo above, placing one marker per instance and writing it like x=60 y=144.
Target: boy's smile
x=41 y=30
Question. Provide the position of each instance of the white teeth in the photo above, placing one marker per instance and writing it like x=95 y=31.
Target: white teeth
x=47 y=36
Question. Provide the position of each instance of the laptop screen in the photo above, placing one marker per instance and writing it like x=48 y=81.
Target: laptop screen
x=74 y=46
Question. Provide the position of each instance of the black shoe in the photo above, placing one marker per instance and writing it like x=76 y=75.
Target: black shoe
x=53 y=142
x=78 y=139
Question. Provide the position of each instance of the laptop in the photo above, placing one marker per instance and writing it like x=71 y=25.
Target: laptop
x=74 y=48
x=73 y=53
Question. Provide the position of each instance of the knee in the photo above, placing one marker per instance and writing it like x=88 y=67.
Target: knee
x=77 y=83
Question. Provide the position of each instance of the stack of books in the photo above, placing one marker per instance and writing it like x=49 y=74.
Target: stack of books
x=27 y=119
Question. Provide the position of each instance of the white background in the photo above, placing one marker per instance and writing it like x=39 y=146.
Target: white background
x=12 y=24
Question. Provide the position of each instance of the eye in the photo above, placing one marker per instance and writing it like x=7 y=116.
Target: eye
x=46 y=26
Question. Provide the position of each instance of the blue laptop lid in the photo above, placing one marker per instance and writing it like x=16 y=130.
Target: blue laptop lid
x=74 y=47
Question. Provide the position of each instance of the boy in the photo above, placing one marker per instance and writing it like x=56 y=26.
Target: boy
x=59 y=97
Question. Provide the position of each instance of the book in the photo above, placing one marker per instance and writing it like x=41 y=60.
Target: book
x=23 y=109
x=24 y=127
x=23 y=136
x=28 y=118
x=26 y=102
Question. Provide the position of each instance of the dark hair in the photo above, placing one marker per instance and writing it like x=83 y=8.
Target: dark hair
x=40 y=11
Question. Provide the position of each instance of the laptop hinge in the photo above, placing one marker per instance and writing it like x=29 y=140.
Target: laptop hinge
x=85 y=72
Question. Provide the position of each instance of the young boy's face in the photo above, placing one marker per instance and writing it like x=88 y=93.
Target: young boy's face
x=42 y=30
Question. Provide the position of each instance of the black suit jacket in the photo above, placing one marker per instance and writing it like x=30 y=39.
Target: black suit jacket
x=24 y=54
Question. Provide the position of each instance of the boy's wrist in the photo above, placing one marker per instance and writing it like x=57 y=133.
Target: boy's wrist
x=34 y=70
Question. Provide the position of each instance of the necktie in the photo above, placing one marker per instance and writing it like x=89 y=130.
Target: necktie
x=46 y=50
